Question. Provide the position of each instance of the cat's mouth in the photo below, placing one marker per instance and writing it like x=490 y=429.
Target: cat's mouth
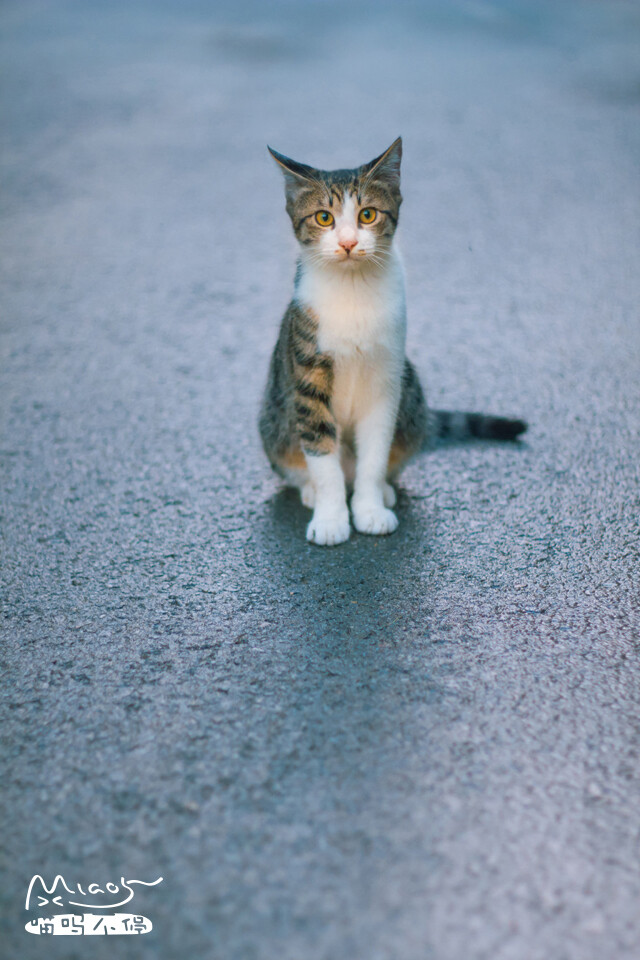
x=350 y=256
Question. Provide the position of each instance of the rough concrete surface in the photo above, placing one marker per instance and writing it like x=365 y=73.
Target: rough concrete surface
x=404 y=748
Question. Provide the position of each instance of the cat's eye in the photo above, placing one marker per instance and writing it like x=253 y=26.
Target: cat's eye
x=324 y=218
x=367 y=215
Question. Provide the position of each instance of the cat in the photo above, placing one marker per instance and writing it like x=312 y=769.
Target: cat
x=343 y=406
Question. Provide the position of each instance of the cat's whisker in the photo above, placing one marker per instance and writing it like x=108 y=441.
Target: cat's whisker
x=376 y=259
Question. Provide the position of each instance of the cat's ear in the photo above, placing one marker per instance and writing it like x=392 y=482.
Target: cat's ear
x=296 y=174
x=387 y=165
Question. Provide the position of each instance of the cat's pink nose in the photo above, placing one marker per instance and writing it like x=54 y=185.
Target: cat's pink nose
x=348 y=243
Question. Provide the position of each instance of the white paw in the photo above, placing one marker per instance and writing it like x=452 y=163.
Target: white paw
x=308 y=495
x=328 y=530
x=373 y=518
x=389 y=495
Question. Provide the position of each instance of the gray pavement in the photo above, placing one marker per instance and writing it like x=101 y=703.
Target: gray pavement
x=404 y=748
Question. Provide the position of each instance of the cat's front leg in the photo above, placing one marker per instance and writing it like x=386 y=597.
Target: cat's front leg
x=319 y=437
x=371 y=492
x=330 y=521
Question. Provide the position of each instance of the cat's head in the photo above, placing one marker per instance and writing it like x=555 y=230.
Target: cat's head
x=344 y=217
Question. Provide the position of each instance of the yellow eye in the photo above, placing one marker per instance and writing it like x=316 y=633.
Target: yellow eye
x=367 y=215
x=324 y=218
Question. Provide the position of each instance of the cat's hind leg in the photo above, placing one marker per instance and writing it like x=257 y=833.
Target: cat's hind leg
x=388 y=495
x=292 y=467
x=302 y=480
x=410 y=431
x=399 y=456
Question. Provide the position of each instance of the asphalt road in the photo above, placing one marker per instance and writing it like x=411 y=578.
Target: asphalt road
x=414 y=747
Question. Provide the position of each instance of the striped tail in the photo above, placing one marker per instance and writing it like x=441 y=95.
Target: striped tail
x=453 y=425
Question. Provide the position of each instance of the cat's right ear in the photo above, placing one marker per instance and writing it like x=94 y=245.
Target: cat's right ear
x=296 y=174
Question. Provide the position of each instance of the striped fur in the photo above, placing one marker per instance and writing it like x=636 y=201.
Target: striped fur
x=296 y=411
x=342 y=405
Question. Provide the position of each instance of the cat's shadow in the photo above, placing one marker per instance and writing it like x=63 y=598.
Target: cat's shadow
x=379 y=574
x=357 y=588
x=350 y=616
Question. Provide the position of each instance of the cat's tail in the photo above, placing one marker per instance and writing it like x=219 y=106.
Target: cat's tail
x=454 y=425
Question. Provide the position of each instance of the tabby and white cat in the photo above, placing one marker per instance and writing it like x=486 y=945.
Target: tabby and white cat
x=343 y=406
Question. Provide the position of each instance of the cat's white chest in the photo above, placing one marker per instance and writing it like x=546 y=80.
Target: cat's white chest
x=362 y=325
x=357 y=311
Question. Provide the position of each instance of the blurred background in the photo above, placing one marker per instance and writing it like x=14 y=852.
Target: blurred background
x=412 y=747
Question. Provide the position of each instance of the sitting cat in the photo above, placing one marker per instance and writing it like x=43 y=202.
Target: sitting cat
x=343 y=407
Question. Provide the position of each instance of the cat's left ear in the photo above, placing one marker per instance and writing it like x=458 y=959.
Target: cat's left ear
x=387 y=165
